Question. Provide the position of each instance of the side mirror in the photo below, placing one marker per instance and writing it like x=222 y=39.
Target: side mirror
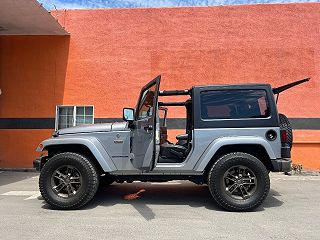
x=128 y=114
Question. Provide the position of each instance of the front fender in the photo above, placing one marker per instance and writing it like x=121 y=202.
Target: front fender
x=91 y=143
x=215 y=145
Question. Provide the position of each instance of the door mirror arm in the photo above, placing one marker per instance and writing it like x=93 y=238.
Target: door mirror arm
x=132 y=124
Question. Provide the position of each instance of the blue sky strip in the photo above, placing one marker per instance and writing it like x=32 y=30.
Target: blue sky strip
x=82 y=4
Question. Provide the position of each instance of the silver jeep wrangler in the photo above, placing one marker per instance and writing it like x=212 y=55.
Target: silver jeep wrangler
x=233 y=138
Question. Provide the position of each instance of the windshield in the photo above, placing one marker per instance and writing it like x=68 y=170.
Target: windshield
x=146 y=103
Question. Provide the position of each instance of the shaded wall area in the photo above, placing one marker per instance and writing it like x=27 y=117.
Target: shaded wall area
x=32 y=76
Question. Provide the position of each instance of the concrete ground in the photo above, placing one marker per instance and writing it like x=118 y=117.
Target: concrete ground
x=174 y=210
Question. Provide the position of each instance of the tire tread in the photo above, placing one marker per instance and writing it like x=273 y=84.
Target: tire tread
x=92 y=188
x=219 y=199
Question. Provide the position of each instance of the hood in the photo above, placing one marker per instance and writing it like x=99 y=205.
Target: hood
x=100 y=127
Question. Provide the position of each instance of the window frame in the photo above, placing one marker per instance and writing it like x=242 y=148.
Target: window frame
x=74 y=114
x=199 y=123
x=138 y=106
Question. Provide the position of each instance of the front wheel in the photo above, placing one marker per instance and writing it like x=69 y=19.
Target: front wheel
x=68 y=181
x=238 y=182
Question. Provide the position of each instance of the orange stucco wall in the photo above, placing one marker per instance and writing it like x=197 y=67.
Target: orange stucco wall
x=17 y=148
x=111 y=53
x=32 y=75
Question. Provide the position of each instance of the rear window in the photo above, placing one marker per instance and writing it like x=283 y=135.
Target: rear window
x=234 y=104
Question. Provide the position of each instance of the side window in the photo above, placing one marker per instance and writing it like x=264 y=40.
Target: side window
x=146 y=103
x=69 y=116
x=234 y=104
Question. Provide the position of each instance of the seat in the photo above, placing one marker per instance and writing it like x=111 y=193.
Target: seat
x=172 y=151
x=182 y=137
x=182 y=140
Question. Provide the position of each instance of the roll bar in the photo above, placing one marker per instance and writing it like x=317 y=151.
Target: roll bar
x=172 y=103
x=174 y=92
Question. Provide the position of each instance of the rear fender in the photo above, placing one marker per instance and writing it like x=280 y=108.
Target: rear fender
x=225 y=141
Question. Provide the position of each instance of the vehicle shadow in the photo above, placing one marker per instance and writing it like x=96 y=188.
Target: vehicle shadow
x=146 y=194
x=9 y=177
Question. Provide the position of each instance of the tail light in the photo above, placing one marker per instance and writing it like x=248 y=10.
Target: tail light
x=283 y=134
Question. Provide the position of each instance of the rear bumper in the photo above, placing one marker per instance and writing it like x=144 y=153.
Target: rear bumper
x=286 y=152
x=281 y=165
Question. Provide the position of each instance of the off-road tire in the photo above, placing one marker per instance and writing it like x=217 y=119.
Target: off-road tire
x=286 y=125
x=88 y=188
x=218 y=191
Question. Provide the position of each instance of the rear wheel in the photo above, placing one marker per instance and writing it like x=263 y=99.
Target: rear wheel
x=68 y=181
x=238 y=182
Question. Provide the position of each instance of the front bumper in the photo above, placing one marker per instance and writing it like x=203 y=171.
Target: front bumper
x=281 y=165
x=39 y=162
